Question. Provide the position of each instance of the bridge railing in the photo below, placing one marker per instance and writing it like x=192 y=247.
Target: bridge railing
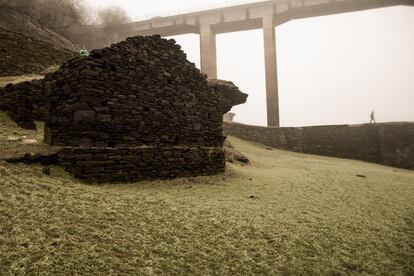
x=216 y=5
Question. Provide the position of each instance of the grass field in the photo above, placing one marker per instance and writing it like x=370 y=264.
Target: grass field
x=286 y=214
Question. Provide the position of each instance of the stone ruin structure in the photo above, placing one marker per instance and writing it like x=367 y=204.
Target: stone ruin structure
x=137 y=110
x=24 y=102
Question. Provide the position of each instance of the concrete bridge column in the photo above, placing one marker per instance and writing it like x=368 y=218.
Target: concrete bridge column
x=208 y=51
x=272 y=94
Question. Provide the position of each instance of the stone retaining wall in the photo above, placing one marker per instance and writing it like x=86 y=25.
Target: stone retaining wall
x=389 y=143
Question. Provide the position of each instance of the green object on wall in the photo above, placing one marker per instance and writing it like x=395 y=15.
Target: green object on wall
x=84 y=52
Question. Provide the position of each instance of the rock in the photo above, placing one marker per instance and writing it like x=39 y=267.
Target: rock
x=12 y=138
x=84 y=116
x=30 y=158
x=29 y=141
x=79 y=106
x=232 y=154
x=230 y=93
x=104 y=118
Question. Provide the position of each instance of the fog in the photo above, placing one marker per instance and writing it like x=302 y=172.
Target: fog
x=332 y=69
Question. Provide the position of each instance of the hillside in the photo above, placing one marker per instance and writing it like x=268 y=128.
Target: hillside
x=20 y=23
x=26 y=55
x=26 y=47
x=286 y=213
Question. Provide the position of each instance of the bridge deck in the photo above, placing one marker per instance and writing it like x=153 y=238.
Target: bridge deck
x=249 y=16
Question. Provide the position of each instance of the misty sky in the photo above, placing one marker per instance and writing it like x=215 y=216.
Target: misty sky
x=332 y=69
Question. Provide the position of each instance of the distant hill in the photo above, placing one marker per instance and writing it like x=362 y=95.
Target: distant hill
x=26 y=47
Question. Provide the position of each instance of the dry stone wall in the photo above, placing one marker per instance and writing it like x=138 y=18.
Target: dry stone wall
x=137 y=110
x=389 y=143
x=142 y=91
x=24 y=102
x=139 y=163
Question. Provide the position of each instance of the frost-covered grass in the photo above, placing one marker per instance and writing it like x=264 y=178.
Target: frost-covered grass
x=287 y=213
x=9 y=129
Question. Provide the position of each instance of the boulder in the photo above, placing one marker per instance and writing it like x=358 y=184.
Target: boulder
x=233 y=155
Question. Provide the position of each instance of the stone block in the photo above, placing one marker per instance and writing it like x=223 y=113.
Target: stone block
x=84 y=116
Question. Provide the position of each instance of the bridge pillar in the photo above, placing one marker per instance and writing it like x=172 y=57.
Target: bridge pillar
x=272 y=94
x=208 y=51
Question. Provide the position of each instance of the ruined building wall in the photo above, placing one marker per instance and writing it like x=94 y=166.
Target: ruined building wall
x=24 y=102
x=139 y=92
x=136 y=110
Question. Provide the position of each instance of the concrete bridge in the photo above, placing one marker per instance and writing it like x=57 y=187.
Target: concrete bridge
x=264 y=15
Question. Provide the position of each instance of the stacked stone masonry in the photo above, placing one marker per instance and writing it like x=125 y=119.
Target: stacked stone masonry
x=138 y=92
x=137 y=110
x=128 y=164
x=389 y=143
x=24 y=102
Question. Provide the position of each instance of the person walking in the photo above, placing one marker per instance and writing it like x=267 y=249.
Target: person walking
x=372 y=118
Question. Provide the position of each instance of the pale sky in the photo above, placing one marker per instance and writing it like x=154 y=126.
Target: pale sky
x=332 y=69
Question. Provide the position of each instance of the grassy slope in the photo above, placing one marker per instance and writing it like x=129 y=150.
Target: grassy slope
x=16 y=79
x=11 y=148
x=309 y=215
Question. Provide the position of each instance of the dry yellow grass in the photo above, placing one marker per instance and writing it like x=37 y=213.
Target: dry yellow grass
x=16 y=79
x=287 y=213
x=9 y=129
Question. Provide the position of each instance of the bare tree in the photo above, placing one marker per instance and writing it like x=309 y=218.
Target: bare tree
x=59 y=15
x=112 y=15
